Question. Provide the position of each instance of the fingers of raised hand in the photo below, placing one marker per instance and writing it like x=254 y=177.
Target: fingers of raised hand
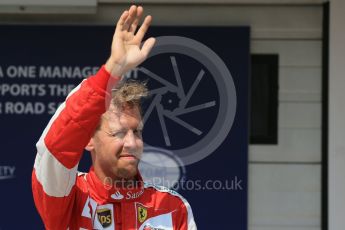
x=137 y=19
x=132 y=15
x=122 y=20
x=143 y=29
x=147 y=46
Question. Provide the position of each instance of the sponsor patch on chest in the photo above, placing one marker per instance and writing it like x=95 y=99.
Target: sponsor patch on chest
x=104 y=217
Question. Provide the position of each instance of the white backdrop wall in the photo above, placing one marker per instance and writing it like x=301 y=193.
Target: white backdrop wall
x=284 y=179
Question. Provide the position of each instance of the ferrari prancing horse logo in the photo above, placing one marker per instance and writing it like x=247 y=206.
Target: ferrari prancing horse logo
x=142 y=214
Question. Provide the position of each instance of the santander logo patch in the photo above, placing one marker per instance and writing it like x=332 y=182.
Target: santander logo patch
x=117 y=196
x=134 y=195
x=129 y=195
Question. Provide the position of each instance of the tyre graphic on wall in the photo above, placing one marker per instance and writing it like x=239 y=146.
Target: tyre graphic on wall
x=192 y=101
x=162 y=167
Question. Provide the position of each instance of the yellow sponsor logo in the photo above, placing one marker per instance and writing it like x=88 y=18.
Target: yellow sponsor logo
x=142 y=214
x=104 y=217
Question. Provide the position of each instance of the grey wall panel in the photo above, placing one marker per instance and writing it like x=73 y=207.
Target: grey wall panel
x=284 y=196
x=295 y=146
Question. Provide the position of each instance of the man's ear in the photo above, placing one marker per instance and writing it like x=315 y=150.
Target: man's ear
x=90 y=146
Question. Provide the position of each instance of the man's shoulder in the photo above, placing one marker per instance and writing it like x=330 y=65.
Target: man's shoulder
x=81 y=174
x=160 y=189
x=165 y=192
x=81 y=181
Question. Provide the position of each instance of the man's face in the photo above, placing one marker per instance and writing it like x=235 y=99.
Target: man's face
x=117 y=144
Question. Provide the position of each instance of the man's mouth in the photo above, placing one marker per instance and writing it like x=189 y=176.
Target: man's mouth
x=128 y=157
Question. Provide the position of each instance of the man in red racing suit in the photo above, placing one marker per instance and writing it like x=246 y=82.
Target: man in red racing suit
x=112 y=195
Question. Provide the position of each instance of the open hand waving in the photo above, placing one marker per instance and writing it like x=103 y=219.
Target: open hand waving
x=126 y=50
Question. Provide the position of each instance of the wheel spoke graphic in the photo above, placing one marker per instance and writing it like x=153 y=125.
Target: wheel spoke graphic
x=194 y=108
x=183 y=123
x=163 y=126
x=150 y=108
x=159 y=91
x=177 y=76
x=158 y=78
x=185 y=100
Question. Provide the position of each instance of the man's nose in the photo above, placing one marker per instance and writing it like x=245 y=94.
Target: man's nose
x=129 y=140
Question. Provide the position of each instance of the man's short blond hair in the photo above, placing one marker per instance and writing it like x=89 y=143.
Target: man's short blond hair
x=124 y=95
x=129 y=93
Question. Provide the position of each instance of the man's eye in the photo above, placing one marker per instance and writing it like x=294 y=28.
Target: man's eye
x=138 y=132
x=119 y=134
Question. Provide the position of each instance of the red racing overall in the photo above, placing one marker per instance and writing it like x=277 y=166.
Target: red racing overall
x=68 y=200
